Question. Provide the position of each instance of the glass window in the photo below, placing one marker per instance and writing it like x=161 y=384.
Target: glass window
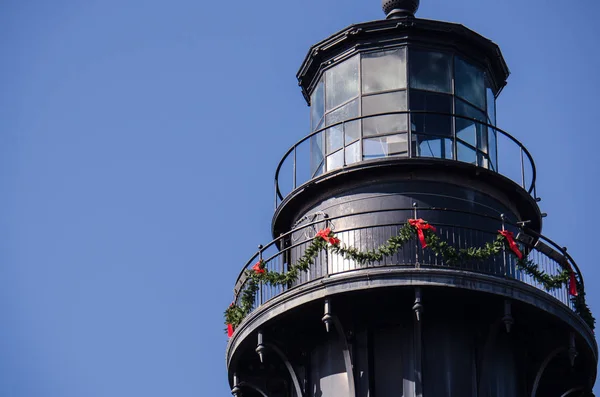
x=353 y=153
x=335 y=160
x=471 y=132
x=469 y=82
x=493 y=145
x=317 y=105
x=391 y=145
x=466 y=153
x=334 y=139
x=431 y=123
x=351 y=129
x=316 y=154
x=384 y=71
x=382 y=103
x=430 y=71
x=341 y=82
x=491 y=106
x=429 y=146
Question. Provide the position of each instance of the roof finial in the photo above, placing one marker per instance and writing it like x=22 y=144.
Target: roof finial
x=399 y=8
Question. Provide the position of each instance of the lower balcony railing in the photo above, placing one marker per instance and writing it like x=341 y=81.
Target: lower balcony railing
x=548 y=260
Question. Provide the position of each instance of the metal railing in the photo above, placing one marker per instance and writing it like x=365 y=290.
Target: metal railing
x=513 y=159
x=280 y=253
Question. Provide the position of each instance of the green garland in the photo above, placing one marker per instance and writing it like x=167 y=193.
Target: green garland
x=582 y=308
x=326 y=239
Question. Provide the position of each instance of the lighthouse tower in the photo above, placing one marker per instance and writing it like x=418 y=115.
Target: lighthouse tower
x=407 y=256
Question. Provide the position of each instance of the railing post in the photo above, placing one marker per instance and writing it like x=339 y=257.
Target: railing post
x=275 y=189
x=417 y=264
x=285 y=256
x=522 y=170
x=503 y=218
x=409 y=133
x=260 y=285
x=295 y=167
x=344 y=141
x=327 y=224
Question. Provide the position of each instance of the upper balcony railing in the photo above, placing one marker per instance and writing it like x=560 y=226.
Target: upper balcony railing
x=470 y=141
x=279 y=255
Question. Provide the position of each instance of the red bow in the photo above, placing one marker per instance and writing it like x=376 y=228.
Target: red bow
x=572 y=284
x=572 y=281
x=421 y=225
x=259 y=267
x=510 y=239
x=229 y=330
x=325 y=234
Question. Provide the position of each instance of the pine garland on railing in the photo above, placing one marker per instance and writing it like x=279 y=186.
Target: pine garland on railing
x=325 y=239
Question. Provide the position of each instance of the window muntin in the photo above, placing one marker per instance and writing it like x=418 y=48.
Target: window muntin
x=383 y=71
x=430 y=71
x=341 y=83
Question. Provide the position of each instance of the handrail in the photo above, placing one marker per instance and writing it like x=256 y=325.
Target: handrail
x=293 y=148
x=499 y=218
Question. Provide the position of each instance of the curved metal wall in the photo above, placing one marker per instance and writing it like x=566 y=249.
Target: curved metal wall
x=366 y=217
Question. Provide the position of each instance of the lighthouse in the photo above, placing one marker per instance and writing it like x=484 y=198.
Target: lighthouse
x=408 y=257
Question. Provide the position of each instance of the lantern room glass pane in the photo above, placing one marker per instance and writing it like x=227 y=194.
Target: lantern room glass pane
x=317 y=105
x=491 y=106
x=353 y=153
x=391 y=145
x=435 y=124
x=430 y=71
x=351 y=129
x=470 y=83
x=470 y=131
x=335 y=160
x=341 y=83
x=316 y=154
x=382 y=103
x=431 y=146
x=334 y=139
x=466 y=154
x=493 y=143
x=384 y=71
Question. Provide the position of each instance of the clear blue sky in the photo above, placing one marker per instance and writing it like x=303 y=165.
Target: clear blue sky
x=138 y=142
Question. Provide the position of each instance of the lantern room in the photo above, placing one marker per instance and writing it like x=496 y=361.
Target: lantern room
x=398 y=88
x=362 y=107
